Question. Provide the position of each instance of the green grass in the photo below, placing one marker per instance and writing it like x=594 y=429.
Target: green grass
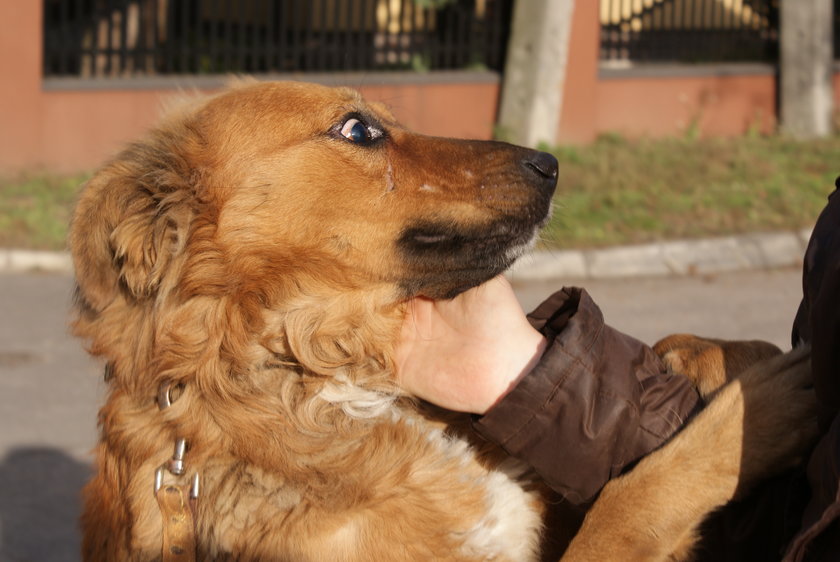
x=620 y=192
x=614 y=191
x=35 y=210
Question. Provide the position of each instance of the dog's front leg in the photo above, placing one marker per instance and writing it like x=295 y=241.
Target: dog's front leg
x=758 y=424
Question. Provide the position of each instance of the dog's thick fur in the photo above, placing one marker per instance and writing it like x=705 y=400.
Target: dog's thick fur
x=251 y=256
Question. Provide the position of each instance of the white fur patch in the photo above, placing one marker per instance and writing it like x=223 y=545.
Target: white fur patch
x=355 y=401
x=510 y=527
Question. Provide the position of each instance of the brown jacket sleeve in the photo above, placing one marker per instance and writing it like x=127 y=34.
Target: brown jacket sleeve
x=598 y=401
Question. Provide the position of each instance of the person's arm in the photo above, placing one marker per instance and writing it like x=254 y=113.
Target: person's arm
x=579 y=407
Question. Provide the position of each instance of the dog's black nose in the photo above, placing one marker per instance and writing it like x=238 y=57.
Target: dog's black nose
x=543 y=164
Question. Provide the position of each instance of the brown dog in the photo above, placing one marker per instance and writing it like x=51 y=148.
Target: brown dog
x=243 y=272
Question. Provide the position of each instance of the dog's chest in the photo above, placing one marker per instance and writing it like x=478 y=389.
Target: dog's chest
x=511 y=517
x=428 y=488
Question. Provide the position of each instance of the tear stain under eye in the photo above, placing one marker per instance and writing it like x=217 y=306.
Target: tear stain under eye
x=389 y=179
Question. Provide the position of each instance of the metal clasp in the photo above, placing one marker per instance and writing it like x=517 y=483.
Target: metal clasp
x=176 y=465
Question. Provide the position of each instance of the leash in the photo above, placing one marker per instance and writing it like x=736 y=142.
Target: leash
x=176 y=497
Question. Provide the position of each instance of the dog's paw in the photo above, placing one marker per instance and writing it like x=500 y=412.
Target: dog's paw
x=711 y=363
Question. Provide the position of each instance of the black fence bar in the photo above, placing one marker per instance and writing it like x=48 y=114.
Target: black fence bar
x=169 y=47
x=268 y=38
x=123 y=38
x=242 y=33
x=226 y=38
x=322 y=54
x=107 y=47
x=116 y=38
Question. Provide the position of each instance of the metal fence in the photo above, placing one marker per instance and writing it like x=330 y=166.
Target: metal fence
x=117 y=38
x=690 y=30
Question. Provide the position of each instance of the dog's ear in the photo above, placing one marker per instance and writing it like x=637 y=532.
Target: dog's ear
x=131 y=221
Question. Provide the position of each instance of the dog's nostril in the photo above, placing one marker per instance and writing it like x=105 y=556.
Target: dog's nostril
x=543 y=163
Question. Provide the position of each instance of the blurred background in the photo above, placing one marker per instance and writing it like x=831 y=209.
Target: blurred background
x=670 y=118
x=83 y=75
x=673 y=120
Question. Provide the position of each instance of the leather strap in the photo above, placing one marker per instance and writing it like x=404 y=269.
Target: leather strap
x=178 y=523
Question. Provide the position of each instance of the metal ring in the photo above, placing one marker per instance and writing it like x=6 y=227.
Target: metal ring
x=164 y=396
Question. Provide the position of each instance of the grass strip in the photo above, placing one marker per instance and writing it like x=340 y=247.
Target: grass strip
x=617 y=191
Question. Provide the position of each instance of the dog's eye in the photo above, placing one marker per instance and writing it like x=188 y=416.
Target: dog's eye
x=356 y=131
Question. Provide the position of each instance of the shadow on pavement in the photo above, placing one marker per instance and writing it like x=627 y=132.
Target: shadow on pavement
x=40 y=504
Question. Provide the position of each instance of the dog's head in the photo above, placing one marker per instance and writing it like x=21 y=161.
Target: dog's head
x=281 y=196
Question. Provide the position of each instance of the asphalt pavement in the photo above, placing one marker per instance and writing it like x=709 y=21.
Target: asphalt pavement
x=50 y=389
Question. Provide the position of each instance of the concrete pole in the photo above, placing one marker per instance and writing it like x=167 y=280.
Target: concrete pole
x=806 y=91
x=534 y=72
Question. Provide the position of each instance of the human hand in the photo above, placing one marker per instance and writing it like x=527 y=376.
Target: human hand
x=464 y=354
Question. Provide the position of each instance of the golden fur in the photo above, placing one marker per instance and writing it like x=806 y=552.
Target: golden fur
x=247 y=250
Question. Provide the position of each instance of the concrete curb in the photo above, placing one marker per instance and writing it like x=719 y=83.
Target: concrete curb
x=29 y=260
x=676 y=257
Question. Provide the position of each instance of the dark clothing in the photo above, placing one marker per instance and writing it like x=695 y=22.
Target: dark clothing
x=600 y=400
x=597 y=401
x=798 y=513
x=818 y=322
